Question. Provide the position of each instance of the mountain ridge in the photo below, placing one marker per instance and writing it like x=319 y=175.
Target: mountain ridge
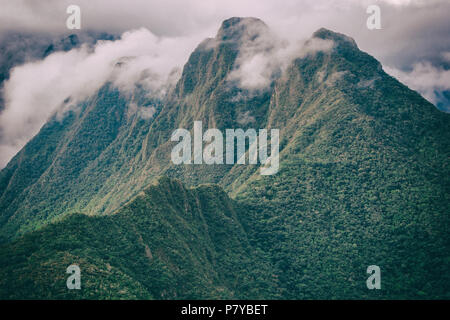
x=178 y=239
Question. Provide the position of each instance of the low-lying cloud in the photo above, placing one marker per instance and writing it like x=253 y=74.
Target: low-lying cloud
x=427 y=79
x=264 y=54
x=37 y=90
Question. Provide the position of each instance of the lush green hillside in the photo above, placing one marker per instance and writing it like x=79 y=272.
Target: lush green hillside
x=104 y=152
x=364 y=179
x=169 y=242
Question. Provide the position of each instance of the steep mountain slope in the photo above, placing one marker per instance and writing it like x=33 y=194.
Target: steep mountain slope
x=364 y=166
x=98 y=170
x=364 y=180
x=54 y=162
x=169 y=242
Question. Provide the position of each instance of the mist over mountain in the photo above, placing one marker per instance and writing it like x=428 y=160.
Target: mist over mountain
x=363 y=179
x=17 y=48
x=68 y=78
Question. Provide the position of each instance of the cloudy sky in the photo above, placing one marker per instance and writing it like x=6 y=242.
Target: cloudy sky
x=413 y=45
x=412 y=30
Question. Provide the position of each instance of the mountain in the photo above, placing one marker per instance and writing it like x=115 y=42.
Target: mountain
x=363 y=180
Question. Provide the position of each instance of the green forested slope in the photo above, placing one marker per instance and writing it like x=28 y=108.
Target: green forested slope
x=364 y=180
x=169 y=242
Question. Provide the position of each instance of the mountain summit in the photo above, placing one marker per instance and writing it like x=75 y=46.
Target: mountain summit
x=242 y=29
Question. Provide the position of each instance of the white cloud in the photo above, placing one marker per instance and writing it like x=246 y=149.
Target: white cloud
x=245 y=118
x=408 y=2
x=36 y=90
x=264 y=53
x=446 y=56
x=424 y=78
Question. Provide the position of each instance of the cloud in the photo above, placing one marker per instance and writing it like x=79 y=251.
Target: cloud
x=409 y=27
x=35 y=91
x=335 y=77
x=427 y=79
x=367 y=83
x=446 y=56
x=264 y=54
x=245 y=118
x=259 y=66
x=145 y=113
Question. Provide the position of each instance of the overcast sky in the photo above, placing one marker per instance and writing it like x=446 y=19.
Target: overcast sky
x=413 y=44
x=411 y=29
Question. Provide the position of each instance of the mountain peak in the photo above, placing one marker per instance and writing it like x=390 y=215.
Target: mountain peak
x=237 y=28
x=338 y=38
